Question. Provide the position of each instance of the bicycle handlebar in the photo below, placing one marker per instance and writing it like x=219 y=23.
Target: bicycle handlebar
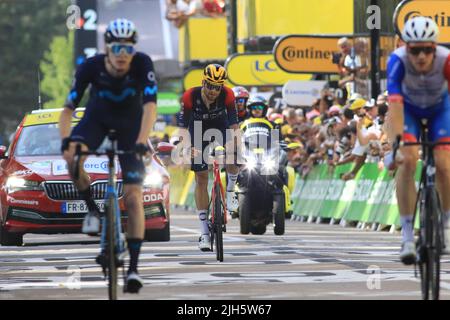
x=107 y=152
x=399 y=144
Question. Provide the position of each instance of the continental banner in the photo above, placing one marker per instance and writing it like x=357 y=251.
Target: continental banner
x=250 y=69
x=438 y=10
x=306 y=54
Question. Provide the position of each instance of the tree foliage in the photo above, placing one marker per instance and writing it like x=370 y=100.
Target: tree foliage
x=57 y=70
x=27 y=27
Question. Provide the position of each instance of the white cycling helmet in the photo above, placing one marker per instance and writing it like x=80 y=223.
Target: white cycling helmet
x=121 y=30
x=420 y=29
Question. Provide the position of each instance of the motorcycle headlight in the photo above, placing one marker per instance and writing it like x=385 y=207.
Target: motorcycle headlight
x=251 y=163
x=269 y=164
x=153 y=180
x=14 y=184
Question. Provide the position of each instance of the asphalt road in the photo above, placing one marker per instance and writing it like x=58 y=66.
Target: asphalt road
x=311 y=261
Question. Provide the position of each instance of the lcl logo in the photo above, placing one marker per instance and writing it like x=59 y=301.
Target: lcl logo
x=268 y=65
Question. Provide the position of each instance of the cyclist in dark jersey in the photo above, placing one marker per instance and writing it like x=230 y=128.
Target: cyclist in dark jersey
x=208 y=111
x=122 y=97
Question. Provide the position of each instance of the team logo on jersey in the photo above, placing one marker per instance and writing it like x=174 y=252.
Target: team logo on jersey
x=151 y=76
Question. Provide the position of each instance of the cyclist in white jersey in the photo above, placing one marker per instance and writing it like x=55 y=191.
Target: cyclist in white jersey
x=418 y=85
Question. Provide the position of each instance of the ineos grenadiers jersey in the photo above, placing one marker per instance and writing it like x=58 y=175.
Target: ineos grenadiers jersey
x=421 y=91
x=222 y=112
x=107 y=93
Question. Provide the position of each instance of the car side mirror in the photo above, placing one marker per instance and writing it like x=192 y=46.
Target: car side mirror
x=165 y=148
x=3 y=150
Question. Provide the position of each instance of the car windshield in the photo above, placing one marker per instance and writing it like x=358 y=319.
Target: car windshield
x=40 y=140
x=43 y=140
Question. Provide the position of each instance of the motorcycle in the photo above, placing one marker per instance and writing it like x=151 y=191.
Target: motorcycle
x=262 y=189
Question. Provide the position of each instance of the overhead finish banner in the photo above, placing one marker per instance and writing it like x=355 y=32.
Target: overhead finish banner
x=306 y=54
x=251 y=70
x=438 y=10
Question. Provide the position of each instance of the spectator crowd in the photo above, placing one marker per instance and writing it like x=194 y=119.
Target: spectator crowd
x=333 y=134
x=179 y=11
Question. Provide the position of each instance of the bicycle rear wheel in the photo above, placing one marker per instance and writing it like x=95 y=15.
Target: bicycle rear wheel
x=218 y=223
x=111 y=246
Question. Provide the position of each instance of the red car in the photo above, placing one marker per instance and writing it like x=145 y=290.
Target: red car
x=37 y=195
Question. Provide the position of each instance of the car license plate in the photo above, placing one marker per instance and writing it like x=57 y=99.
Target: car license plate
x=80 y=206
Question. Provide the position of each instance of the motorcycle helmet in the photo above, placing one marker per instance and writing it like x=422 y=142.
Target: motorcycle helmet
x=258 y=102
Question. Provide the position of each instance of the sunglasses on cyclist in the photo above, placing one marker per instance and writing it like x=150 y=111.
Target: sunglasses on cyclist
x=415 y=51
x=214 y=87
x=241 y=100
x=118 y=48
x=257 y=107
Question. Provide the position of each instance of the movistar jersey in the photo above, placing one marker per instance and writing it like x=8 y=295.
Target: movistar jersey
x=136 y=88
x=114 y=103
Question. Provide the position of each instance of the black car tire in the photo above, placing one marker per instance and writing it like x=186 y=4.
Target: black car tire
x=9 y=238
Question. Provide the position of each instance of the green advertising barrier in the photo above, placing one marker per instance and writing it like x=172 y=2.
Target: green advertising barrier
x=369 y=198
x=306 y=199
x=334 y=191
x=299 y=185
x=376 y=197
x=365 y=180
x=388 y=213
x=320 y=191
x=345 y=199
x=168 y=103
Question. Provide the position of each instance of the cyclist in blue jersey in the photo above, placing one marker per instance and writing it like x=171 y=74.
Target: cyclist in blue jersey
x=418 y=85
x=122 y=97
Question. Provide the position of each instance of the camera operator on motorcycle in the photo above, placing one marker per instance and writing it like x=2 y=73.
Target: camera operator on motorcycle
x=263 y=174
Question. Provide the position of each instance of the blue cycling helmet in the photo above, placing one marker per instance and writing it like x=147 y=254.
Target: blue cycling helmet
x=121 y=30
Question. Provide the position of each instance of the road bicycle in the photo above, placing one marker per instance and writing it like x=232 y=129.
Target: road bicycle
x=431 y=234
x=112 y=240
x=217 y=212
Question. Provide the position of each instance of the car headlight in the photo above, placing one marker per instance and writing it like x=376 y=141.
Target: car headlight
x=14 y=184
x=153 y=180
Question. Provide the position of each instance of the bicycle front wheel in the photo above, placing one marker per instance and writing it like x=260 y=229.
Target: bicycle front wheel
x=436 y=243
x=218 y=223
x=111 y=245
x=431 y=243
